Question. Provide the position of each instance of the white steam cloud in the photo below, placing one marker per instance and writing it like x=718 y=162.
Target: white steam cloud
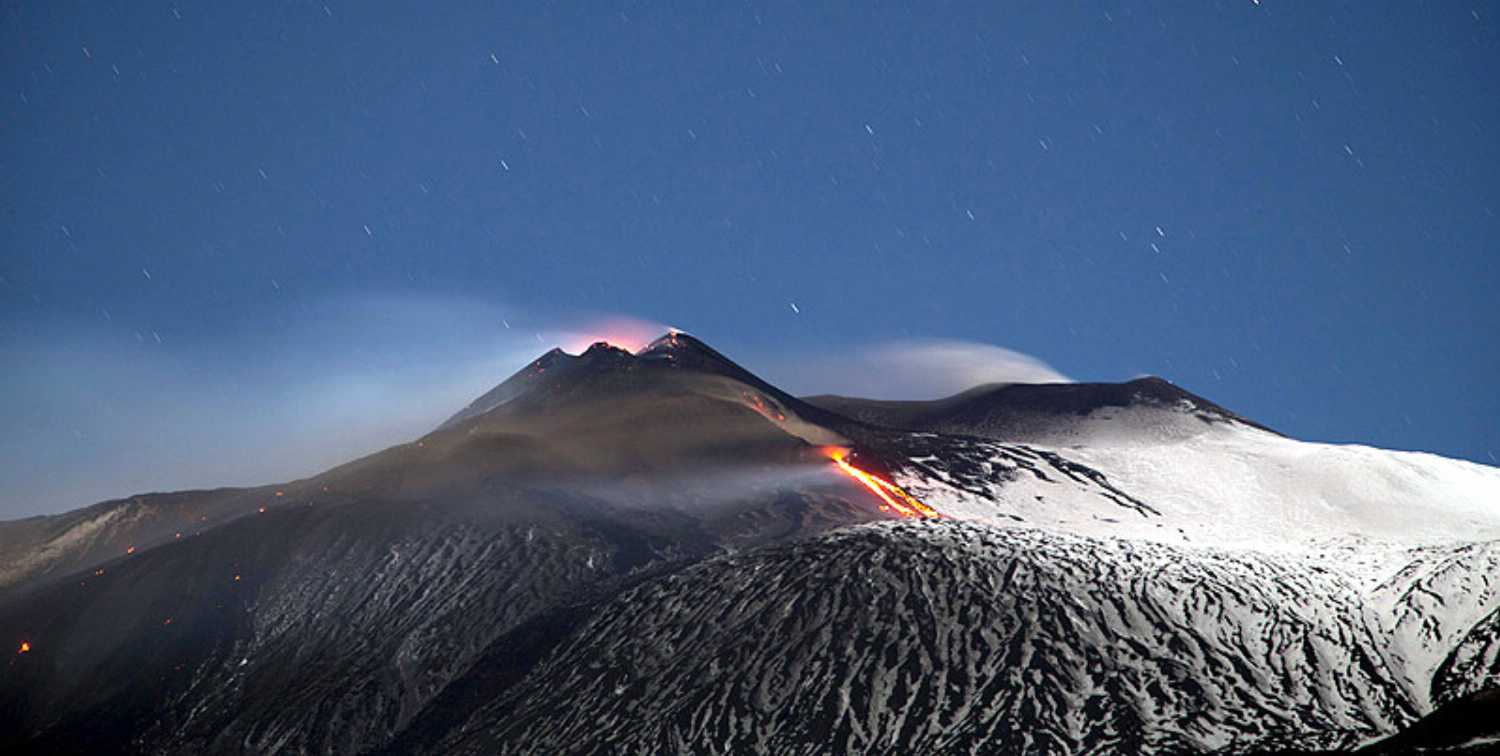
x=912 y=369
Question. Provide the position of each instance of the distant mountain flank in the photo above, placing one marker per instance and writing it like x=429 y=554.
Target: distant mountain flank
x=1012 y=410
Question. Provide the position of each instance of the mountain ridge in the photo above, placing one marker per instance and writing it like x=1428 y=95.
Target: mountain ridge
x=997 y=410
x=668 y=542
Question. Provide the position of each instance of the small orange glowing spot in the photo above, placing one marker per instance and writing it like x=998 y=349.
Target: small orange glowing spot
x=280 y=493
x=179 y=534
x=236 y=578
x=262 y=509
x=25 y=648
x=130 y=550
x=762 y=406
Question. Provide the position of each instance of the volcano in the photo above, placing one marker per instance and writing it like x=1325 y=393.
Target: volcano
x=659 y=552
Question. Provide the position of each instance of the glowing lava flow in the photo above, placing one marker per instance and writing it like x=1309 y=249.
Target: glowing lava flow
x=897 y=500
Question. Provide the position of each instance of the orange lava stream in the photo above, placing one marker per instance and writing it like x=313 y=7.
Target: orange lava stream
x=899 y=501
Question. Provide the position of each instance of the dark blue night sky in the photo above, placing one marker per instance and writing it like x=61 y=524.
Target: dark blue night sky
x=246 y=242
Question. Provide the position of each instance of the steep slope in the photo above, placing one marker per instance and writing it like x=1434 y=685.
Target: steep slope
x=675 y=364
x=1442 y=613
x=1469 y=725
x=946 y=637
x=314 y=629
x=1227 y=486
x=1415 y=534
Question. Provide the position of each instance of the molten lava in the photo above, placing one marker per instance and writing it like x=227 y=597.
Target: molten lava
x=763 y=407
x=896 y=500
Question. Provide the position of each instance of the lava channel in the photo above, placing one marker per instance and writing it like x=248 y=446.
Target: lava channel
x=896 y=500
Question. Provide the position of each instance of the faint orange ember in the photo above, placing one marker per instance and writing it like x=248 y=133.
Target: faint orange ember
x=130 y=550
x=25 y=647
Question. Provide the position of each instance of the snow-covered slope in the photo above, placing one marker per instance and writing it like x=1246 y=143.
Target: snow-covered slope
x=951 y=637
x=1226 y=485
x=1414 y=539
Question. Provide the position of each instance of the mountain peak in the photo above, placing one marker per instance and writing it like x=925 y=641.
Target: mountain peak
x=675 y=344
x=604 y=348
x=556 y=370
